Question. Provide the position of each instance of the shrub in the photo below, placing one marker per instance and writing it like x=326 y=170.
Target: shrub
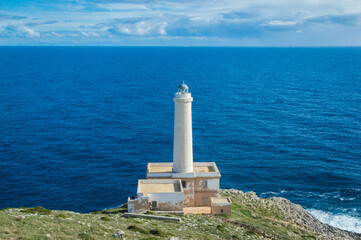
x=39 y=210
x=105 y=218
x=221 y=228
x=137 y=229
x=19 y=219
x=157 y=232
x=85 y=236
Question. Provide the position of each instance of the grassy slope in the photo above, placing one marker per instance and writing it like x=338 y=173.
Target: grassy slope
x=252 y=218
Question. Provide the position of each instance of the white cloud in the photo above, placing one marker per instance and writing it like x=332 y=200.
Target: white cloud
x=19 y=31
x=122 y=6
x=89 y=34
x=57 y=34
x=161 y=28
x=278 y=23
x=140 y=28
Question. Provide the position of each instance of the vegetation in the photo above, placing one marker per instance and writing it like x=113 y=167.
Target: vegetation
x=252 y=218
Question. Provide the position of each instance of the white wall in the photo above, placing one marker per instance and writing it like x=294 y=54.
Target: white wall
x=213 y=184
x=170 y=201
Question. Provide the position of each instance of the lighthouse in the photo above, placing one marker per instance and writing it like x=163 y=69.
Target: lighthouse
x=183 y=143
x=181 y=184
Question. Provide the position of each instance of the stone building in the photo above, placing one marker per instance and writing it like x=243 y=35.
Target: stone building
x=197 y=183
x=158 y=194
x=221 y=205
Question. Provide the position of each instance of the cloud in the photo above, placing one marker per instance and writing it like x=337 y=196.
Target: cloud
x=122 y=6
x=89 y=34
x=346 y=19
x=19 y=31
x=140 y=27
x=278 y=23
x=221 y=28
x=237 y=15
x=297 y=31
x=57 y=34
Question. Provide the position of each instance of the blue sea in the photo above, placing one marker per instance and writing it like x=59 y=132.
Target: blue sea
x=78 y=125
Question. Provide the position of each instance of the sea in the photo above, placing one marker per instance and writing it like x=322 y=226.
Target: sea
x=78 y=125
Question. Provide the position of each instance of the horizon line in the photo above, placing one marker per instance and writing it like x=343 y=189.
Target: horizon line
x=193 y=46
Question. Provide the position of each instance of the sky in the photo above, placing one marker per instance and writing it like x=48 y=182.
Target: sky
x=285 y=23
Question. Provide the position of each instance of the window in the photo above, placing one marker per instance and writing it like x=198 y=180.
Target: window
x=205 y=184
x=154 y=204
x=221 y=210
x=184 y=184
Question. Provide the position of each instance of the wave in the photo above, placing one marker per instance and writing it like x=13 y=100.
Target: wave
x=342 y=221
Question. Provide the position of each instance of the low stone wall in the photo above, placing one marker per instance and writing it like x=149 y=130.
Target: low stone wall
x=137 y=215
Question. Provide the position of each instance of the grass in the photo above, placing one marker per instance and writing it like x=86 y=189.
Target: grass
x=251 y=219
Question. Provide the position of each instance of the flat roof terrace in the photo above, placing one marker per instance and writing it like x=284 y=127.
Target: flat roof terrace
x=196 y=169
x=221 y=200
x=200 y=169
x=159 y=186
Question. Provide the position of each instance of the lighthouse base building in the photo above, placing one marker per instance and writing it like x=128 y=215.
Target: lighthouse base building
x=181 y=185
x=198 y=186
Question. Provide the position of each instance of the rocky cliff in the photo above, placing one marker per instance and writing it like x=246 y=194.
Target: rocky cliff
x=280 y=212
x=252 y=218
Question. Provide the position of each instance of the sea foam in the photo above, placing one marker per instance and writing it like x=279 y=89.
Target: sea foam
x=342 y=221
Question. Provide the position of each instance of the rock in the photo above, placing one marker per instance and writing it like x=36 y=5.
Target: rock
x=296 y=213
x=252 y=195
x=119 y=234
x=173 y=238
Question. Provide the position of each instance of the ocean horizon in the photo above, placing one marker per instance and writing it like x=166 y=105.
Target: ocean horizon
x=79 y=124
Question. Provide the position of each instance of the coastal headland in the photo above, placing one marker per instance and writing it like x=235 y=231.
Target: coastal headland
x=252 y=218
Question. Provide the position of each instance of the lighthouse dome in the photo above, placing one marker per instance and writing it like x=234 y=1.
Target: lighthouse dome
x=183 y=88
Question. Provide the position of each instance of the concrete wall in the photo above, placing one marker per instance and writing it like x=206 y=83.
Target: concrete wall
x=140 y=204
x=167 y=201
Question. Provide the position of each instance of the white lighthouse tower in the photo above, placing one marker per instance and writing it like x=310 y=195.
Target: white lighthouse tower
x=183 y=145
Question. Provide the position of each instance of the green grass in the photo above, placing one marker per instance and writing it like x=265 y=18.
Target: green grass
x=61 y=215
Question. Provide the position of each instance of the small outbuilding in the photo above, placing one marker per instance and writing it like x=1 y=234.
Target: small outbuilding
x=158 y=194
x=221 y=206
